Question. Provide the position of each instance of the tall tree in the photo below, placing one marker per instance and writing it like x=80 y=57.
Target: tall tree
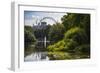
x=77 y=20
x=29 y=37
x=56 y=32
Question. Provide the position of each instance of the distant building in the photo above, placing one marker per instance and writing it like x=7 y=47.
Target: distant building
x=44 y=23
x=41 y=25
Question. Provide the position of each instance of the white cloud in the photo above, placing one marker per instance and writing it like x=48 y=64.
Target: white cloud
x=29 y=22
x=40 y=15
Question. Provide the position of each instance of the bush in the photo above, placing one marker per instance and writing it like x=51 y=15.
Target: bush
x=70 y=45
x=83 y=49
x=59 y=46
x=59 y=55
x=76 y=34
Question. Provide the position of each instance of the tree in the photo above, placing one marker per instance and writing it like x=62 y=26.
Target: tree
x=56 y=32
x=29 y=38
x=59 y=46
x=77 y=36
x=29 y=28
x=77 y=20
x=83 y=51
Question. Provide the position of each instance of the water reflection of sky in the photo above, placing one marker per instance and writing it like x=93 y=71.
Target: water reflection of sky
x=31 y=17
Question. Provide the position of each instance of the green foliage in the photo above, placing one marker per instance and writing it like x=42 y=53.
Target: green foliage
x=67 y=20
x=29 y=28
x=70 y=45
x=71 y=20
x=77 y=20
x=57 y=55
x=59 y=46
x=76 y=34
x=56 y=32
x=29 y=38
x=83 y=49
x=75 y=40
x=70 y=33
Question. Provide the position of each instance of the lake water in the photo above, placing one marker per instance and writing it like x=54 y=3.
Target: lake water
x=37 y=56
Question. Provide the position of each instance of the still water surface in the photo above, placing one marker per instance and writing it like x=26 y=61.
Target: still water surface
x=37 y=56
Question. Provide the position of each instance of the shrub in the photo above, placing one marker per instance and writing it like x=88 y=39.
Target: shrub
x=59 y=46
x=70 y=45
x=58 y=55
x=76 y=34
x=83 y=49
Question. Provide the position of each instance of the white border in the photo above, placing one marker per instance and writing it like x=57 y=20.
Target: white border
x=18 y=37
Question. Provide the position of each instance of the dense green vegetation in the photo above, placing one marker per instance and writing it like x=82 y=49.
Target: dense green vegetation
x=56 y=32
x=70 y=39
x=75 y=41
x=29 y=40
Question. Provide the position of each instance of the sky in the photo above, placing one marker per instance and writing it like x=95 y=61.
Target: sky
x=33 y=17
